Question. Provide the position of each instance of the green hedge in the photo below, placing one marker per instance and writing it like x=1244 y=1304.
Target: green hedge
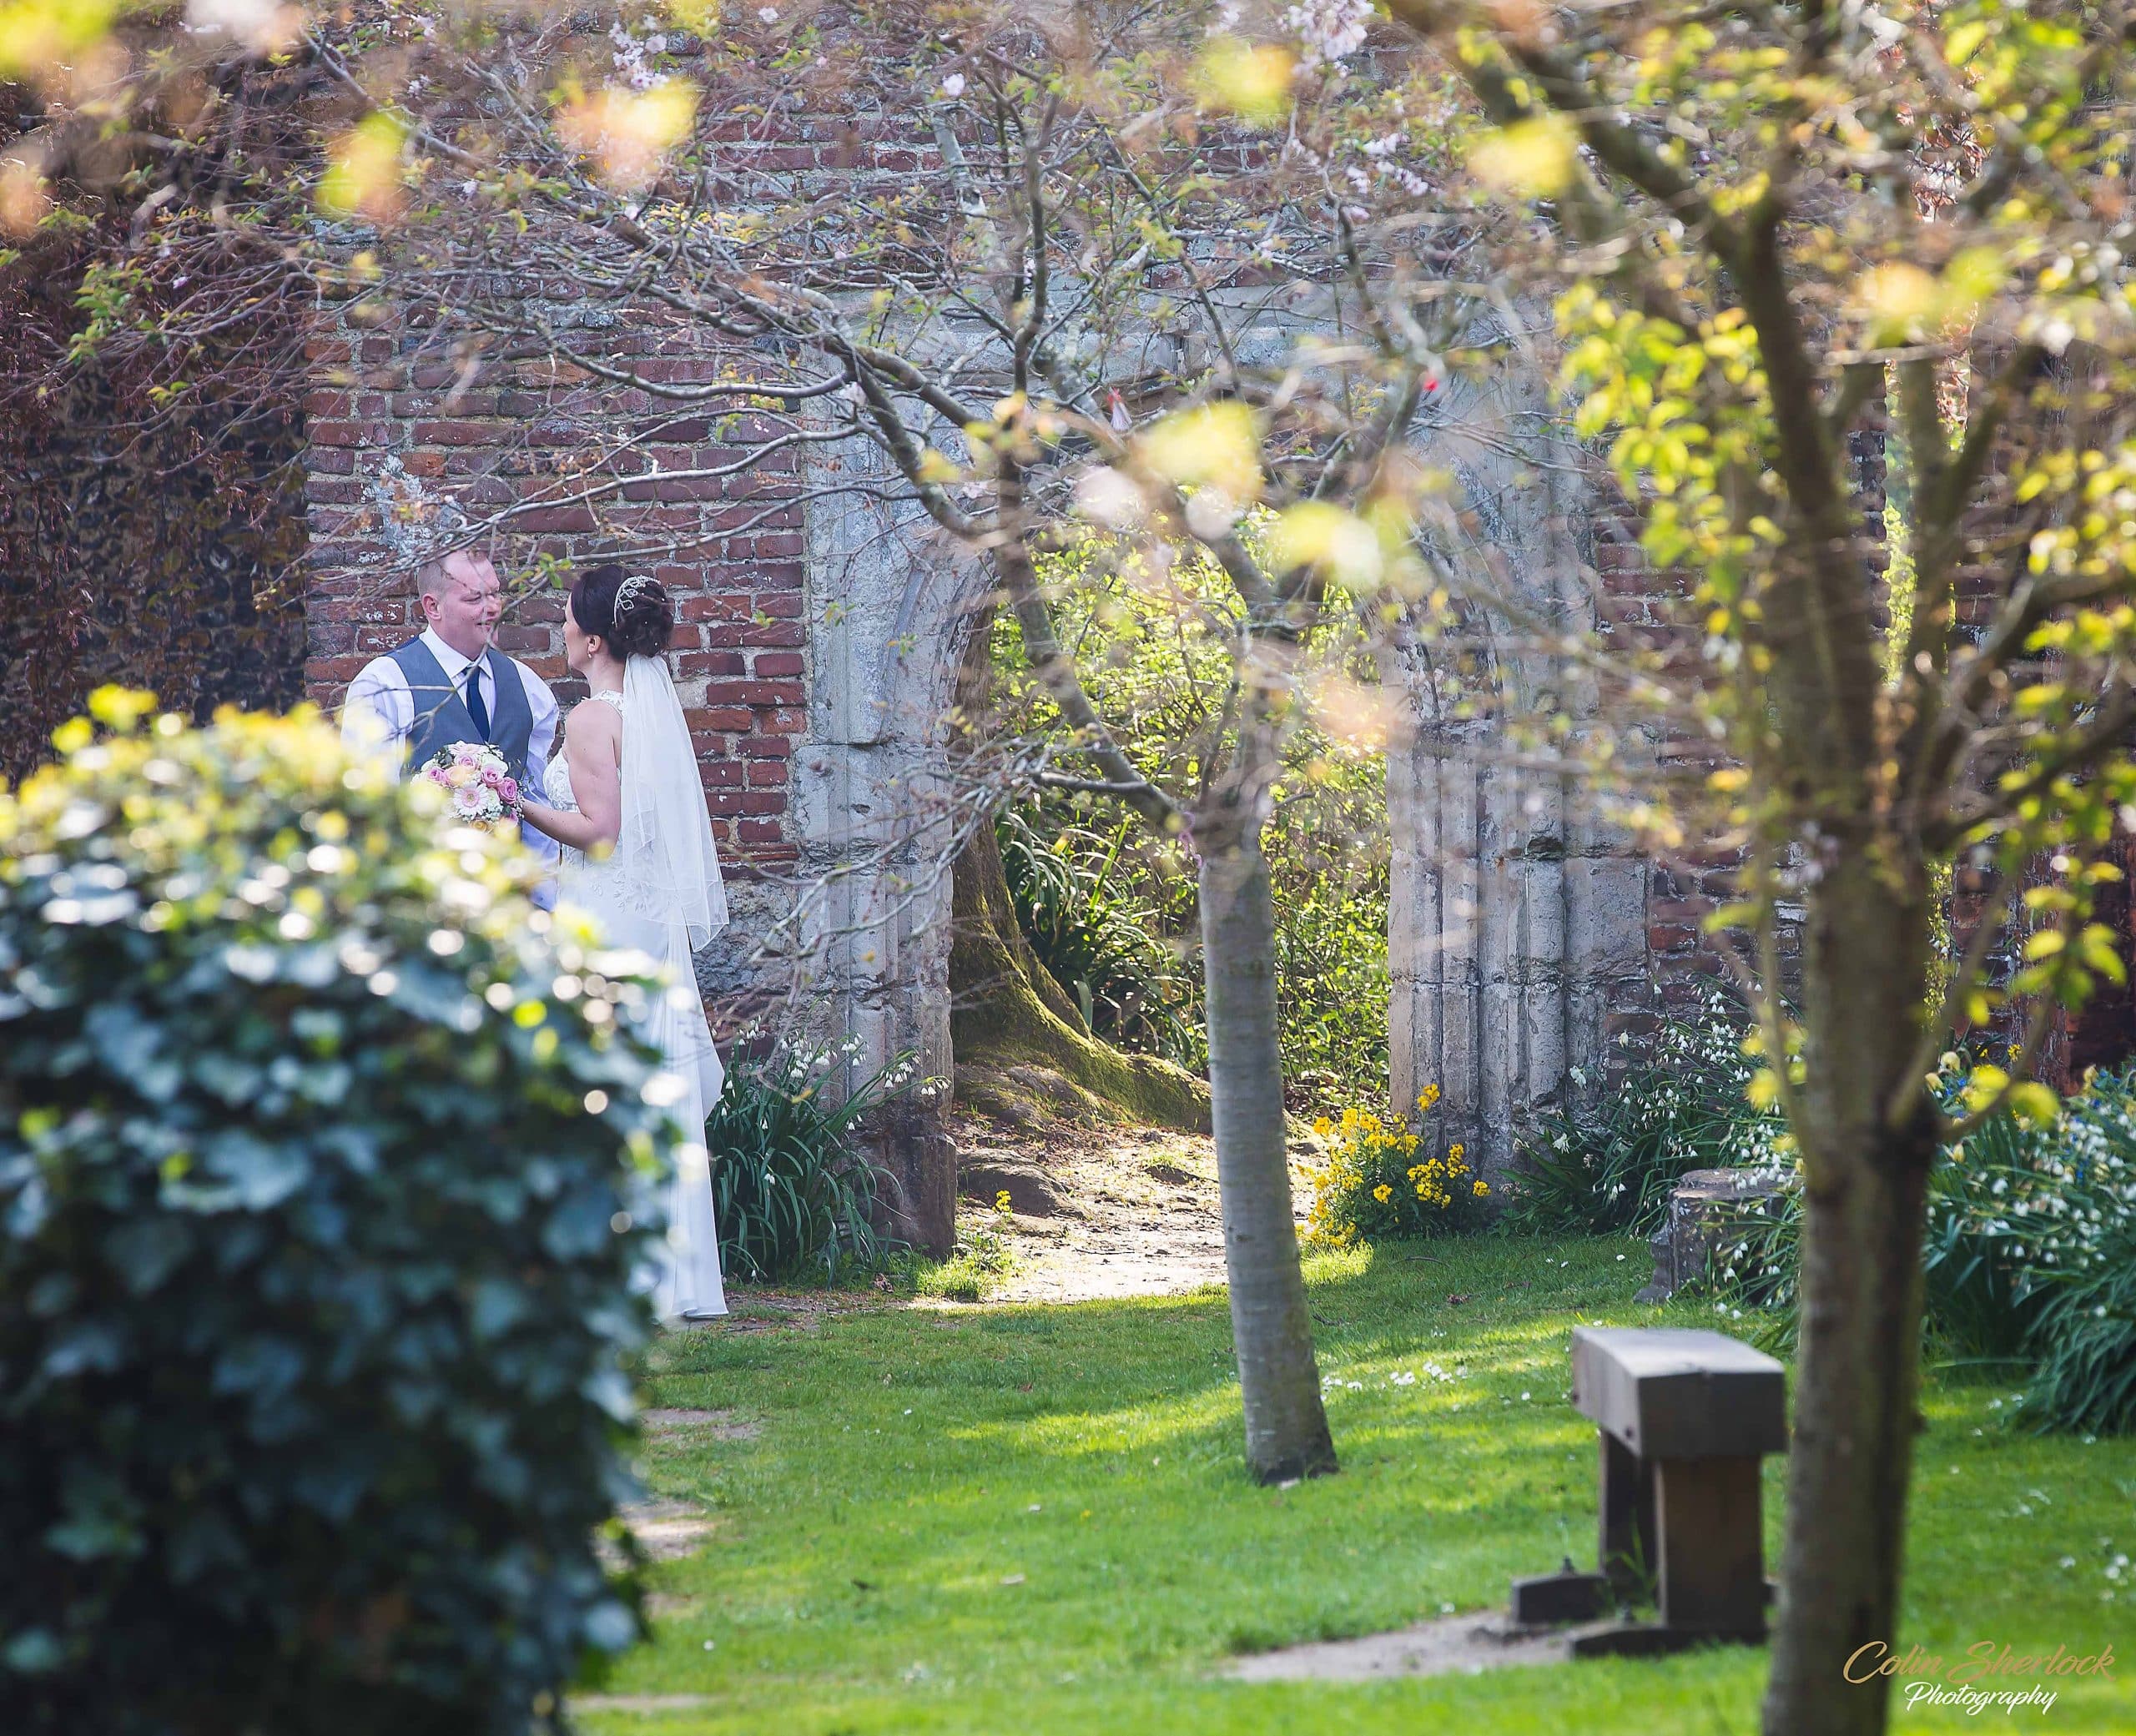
x=317 y=1160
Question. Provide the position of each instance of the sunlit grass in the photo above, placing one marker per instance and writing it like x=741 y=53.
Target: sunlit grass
x=1034 y=1519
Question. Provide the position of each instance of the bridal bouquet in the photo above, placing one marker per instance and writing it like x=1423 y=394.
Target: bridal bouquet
x=483 y=792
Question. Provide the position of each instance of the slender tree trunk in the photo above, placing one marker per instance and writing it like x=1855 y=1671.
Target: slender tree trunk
x=1857 y=1371
x=1285 y=1425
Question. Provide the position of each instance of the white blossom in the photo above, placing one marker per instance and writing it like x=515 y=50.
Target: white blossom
x=1329 y=31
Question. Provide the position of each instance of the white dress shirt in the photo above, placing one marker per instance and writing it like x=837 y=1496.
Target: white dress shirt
x=379 y=716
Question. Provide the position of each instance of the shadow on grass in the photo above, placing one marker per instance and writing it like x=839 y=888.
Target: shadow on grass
x=1037 y=1517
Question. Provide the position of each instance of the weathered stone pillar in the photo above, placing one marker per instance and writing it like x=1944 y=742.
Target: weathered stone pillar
x=1516 y=921
x=871 y=930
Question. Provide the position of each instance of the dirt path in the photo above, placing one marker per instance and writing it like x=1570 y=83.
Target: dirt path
x=1094 y=1212
x=1105 y=1212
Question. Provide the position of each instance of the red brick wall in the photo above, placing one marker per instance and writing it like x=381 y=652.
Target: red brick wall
x=506 y=434
x=1653 y=608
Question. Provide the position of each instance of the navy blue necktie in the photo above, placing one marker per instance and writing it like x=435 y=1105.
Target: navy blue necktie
x=475 y=709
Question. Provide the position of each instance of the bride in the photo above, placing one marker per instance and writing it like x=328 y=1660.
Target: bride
x=626 y=785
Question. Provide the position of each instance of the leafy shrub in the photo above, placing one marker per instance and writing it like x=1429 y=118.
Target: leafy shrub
x=2030 y=1256
x=1372 y=1182
x=317 y=1153
x=788 y=1187
x=1611 y=1167
x=1101 y=946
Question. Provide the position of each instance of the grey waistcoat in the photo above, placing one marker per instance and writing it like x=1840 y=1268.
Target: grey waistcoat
x=441 y=715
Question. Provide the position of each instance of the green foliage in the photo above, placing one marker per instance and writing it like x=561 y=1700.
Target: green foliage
x=1101 y=945
x=1331 y=983
x=1610 y=1165
x=2030 y=1257
x=789 y=1189
x=1163 y=679
x=1378 y=1179
x=323 y=1167
x=2054 y=1210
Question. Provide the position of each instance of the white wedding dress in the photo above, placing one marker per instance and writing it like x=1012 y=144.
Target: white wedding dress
x=659 y=892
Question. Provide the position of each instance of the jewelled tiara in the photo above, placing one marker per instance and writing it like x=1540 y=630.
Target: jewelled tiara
x=631 y=589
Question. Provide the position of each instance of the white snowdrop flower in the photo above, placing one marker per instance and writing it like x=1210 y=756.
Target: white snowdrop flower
x=1523 y=1398
x=954 y=85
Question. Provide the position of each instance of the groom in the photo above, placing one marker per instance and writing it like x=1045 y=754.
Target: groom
x=450 y=683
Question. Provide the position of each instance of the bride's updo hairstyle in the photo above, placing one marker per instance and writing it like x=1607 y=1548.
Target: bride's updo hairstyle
x=631 y=612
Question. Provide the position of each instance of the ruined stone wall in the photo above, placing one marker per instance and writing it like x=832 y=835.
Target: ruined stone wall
x=1518 y=942
x=1532 y=948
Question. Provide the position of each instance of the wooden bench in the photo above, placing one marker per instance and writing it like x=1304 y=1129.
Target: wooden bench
x=1683 y=1419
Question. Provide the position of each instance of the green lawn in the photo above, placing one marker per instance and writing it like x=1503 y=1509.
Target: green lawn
x=911 y=1466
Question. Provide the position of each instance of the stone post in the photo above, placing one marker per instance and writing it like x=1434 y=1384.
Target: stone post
x=872 y=928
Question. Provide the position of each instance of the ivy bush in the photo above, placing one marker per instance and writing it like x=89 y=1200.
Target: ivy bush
x=322 y=1173
x=789 y=1187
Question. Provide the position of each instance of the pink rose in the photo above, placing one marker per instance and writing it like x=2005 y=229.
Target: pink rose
x=509 y=789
